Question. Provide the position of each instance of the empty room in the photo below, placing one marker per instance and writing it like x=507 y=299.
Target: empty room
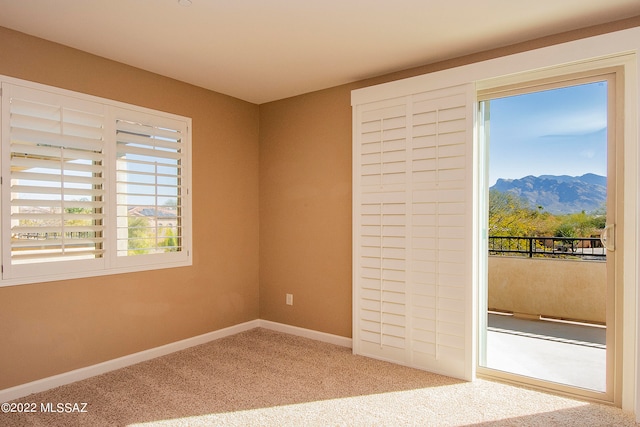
x=271 y=213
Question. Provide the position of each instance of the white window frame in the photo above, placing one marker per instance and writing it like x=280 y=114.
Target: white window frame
x=110 y=262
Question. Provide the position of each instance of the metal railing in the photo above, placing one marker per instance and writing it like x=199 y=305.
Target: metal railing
x=588 y=248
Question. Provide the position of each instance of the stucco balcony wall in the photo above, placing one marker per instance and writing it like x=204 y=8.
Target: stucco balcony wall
x=560 y=288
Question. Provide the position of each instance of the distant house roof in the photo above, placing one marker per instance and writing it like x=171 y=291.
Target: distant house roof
x=169 y=212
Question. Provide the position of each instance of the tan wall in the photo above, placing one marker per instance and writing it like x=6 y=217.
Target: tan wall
x=567 y=289
x=305 y=211
x=305 y=195
x=50 y=328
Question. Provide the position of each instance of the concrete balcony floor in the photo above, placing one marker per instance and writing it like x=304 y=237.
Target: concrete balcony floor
x=553 y=351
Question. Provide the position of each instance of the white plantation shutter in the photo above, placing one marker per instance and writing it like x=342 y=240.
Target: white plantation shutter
x=382 y=231
x=150 y=155
x=441 y=235
x=53 y=185
x=89 y=186
x=412 y=230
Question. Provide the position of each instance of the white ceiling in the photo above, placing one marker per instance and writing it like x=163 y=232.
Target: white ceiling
x=264 y=50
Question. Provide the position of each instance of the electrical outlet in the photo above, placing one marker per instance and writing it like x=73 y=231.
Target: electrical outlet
x=289 y=299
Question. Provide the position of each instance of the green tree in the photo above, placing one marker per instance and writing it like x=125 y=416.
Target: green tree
x=141 y=235
x=579 y=225
x=170 y=242
x=599 y=217
x=510 y=215
x=565 y=230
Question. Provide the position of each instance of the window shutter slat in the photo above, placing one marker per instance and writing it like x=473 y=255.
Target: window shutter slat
x=51 y=256
x=56 y=139
x=67 y=191
x=159 y=155
x=39 y=151
x=70 y=179
x=54 y=242
x=40 y=216
x=57 y=229
x=132 y=136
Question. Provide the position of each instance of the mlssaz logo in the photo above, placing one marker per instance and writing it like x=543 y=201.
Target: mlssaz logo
x=66 y=408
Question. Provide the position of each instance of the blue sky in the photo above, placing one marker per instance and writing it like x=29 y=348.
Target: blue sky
x=555 y=132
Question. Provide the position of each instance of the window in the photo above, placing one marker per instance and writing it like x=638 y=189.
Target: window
x=90 y=186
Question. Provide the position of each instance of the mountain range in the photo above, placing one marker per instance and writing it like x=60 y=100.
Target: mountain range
x=558 y=194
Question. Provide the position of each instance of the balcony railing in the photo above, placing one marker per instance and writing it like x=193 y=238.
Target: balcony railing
x=588 y=248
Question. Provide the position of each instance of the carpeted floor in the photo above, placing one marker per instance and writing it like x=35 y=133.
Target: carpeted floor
x=266 y=378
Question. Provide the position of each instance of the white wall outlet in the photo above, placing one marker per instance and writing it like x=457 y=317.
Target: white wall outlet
x=289 y=299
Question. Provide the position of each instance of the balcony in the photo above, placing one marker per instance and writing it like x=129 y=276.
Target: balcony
x=548 y=277
x=547 y=309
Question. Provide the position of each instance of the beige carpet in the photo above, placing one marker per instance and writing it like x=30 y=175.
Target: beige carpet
x=265 y=378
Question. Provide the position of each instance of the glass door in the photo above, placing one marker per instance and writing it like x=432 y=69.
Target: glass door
x=547 y=304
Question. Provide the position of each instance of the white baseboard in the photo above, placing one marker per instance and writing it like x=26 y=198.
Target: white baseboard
x=306 y=333
x=121 y=362
x=48 y=383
